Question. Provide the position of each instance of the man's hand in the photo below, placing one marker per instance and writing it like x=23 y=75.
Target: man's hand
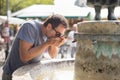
x=58 y=41
x=54 y=43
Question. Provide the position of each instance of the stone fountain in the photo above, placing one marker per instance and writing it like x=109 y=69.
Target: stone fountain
x=97 y=56
x=98 y=51
x=55 y=69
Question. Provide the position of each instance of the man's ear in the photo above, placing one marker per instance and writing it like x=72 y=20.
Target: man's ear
x=49 y=26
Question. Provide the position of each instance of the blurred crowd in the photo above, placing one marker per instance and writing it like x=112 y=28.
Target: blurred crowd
x=68 y=49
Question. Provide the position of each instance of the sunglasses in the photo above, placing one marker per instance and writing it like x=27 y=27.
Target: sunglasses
x=58 y=34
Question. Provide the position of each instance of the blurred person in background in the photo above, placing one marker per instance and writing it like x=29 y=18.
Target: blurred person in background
x=71 y=39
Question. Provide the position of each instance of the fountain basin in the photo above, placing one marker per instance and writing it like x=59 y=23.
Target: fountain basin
x=56 y=69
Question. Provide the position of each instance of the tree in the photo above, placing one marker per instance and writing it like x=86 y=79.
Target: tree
x=15 y=5
x=2 y=7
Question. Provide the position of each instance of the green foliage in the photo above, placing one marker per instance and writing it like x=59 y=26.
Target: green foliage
x=15 y=5
x=2 y=7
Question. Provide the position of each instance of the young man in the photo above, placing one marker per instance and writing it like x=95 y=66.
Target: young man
x=32 y=39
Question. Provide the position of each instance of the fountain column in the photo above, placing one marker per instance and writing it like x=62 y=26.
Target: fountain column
x=98 y=51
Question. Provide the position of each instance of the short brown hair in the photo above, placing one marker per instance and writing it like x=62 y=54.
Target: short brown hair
x=55 y=20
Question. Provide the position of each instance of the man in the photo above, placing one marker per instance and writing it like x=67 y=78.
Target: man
x=71 y=41
x=32 y=39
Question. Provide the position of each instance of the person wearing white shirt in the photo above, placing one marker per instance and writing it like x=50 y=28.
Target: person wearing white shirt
x=71 y=40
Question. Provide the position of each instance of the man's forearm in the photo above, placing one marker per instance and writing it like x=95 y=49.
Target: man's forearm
x=52 y=51
x=29 y=53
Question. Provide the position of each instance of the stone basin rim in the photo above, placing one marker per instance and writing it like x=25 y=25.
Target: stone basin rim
x=32 y=68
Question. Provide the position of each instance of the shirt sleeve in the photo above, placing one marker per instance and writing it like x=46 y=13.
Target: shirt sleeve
x=27 y=33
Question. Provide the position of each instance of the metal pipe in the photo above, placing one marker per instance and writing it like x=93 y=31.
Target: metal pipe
x=7 y=22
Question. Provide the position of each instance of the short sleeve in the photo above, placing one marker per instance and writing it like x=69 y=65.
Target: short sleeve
x=27 y=33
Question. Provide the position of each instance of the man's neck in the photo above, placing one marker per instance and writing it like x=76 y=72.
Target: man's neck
x=43 y=29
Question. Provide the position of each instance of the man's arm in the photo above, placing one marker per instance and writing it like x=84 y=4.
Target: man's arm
x=54 y=48
x=27 y=52
x=52 y=51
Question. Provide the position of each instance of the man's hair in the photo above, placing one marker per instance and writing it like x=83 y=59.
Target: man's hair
x=55 y=20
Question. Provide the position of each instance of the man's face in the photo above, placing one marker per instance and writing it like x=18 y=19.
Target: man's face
x=55 y=32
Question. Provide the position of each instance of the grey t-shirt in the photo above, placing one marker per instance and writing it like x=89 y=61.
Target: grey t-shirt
x=30 y=32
